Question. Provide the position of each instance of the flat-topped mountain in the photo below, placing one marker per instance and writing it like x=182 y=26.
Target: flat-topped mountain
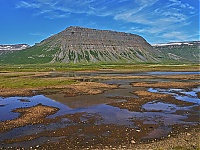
x=83 y=44
x=77 y=44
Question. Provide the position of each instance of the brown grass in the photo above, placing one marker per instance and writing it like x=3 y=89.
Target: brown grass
x=167 y=84
x=89 y=88
x=150 y=95
x=68 y=90
x=183 y=77
x=30 y=115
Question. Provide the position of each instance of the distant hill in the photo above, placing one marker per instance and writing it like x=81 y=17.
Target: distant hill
x=77 y=44
x=180 y=51
x=6 y=48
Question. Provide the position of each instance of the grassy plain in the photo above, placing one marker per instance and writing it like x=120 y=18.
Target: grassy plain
x=95 y=67
x=32 y=77
x=25 y=76
x=19 y=81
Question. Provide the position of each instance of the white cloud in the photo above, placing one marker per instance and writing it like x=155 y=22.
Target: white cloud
x=37 y=34
x=179 y=36
x=27 y=5
x=135 y=11
x=175 y=35
x=51 y=7
x=157 y=17
x=146 y=14
x=164 y=21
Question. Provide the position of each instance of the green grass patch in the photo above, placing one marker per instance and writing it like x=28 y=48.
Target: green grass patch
x=21 y=82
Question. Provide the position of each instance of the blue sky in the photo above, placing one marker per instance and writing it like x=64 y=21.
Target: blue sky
x=158 y=21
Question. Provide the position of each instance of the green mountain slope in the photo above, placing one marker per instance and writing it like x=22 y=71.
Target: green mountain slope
x=32 y=55
x=180 y=51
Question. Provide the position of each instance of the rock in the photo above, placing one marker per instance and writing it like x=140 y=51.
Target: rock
x=133 y=142
x=188 y=134
x=138 y=130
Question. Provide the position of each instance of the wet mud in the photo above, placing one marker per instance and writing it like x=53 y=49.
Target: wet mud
x=32 y=115
x=119 y=111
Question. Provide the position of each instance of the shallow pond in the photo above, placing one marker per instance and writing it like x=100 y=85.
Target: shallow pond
x=154 y=120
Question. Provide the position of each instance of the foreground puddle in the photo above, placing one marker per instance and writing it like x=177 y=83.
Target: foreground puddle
x=103 y=118
x=91 y=120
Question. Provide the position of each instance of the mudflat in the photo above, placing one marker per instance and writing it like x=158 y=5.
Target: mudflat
x=123 y=111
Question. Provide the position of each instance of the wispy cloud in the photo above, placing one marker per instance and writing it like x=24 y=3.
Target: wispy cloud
x=165 y=21
x=175 y=35
x=147 y=14
x=24 y=4
x=181 y=36
x=52 y=8
x=37 y=34
x=155 y=17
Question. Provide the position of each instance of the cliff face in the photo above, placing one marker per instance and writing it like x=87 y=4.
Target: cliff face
x=77 y=44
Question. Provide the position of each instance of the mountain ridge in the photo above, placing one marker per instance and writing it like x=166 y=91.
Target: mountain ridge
x=85 y=45
x=78 y=44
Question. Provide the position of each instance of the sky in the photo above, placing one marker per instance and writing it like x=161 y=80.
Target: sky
x=158 y=21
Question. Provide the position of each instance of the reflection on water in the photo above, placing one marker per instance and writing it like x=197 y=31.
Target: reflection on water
x=160 y=106
x=173 y=73
x=108 y=115
x=155 y=112
x=11 y=103
x=90 y=74
x=180 y=94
